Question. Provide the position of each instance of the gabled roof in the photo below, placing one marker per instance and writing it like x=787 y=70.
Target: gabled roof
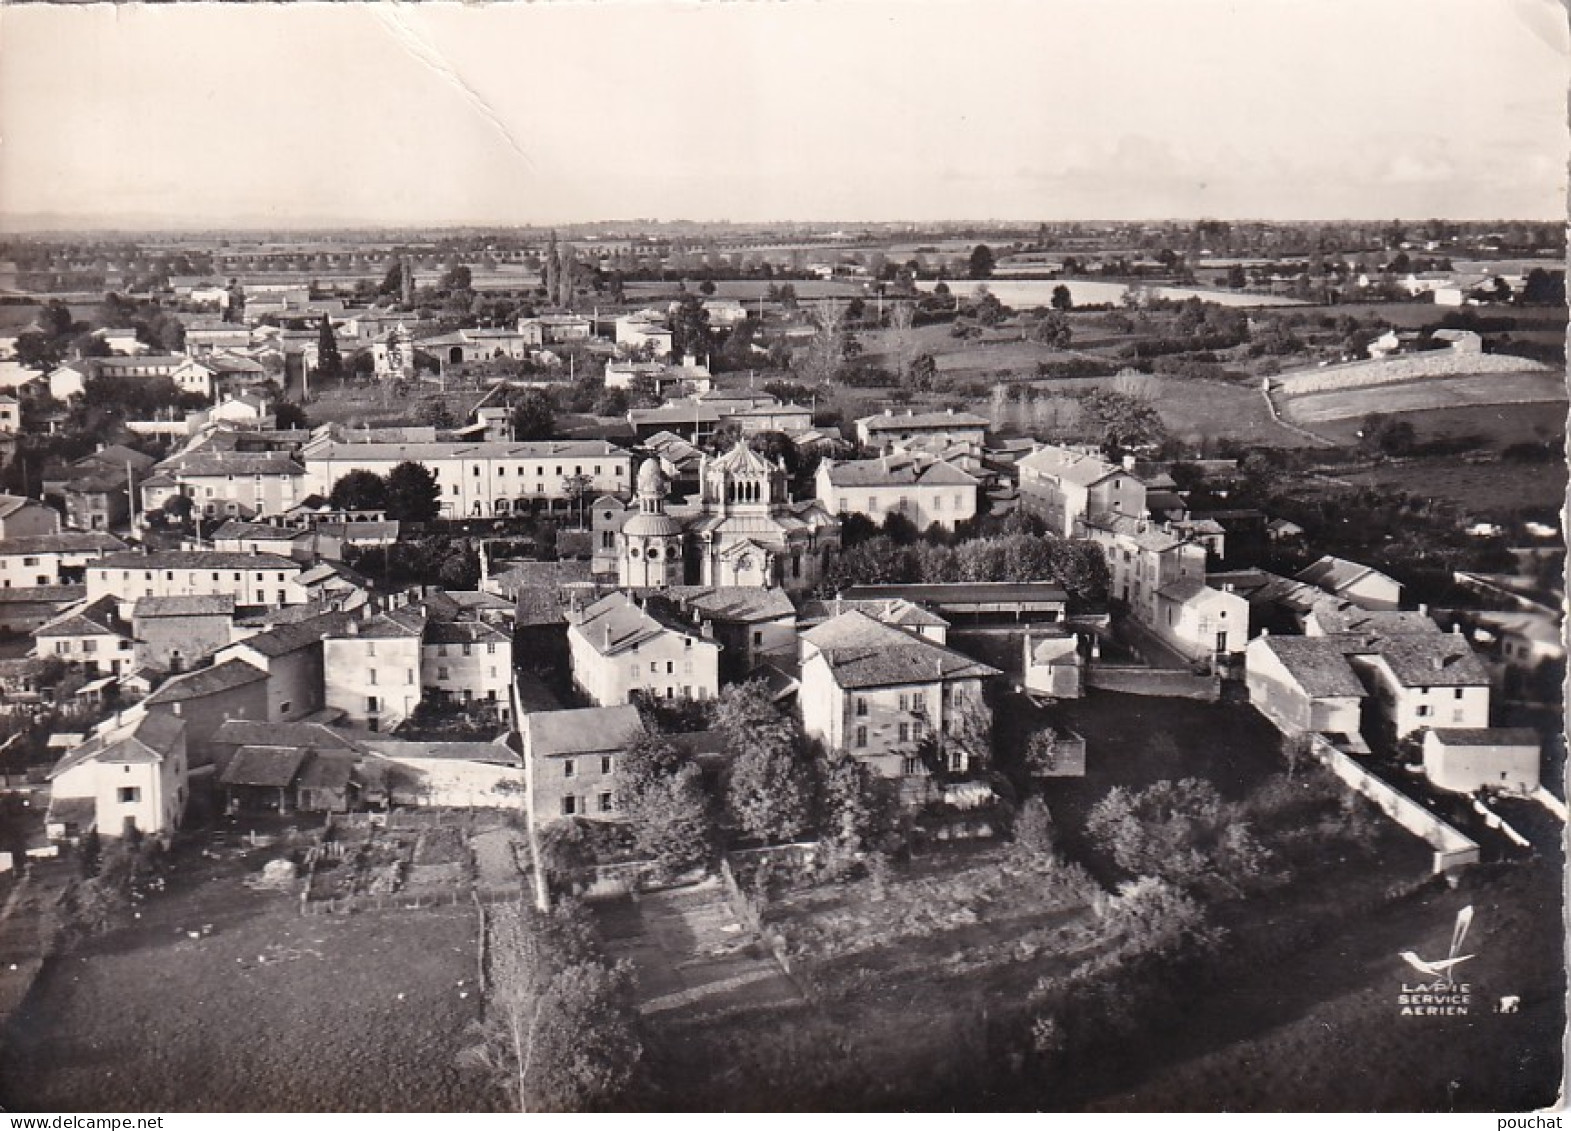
x=890 y=610
x=150 y=738
x=1423 y=660
x=1318 y=664
x=863 y=652
x=195 y=559
x=463 y=632
x=890 y=422
x=1080 y=468
x=97 y=619
x=1338 y=574
x=45 y=594
x=10 y=504
x=252 y=732
x=235 y=528
x=1488 y=736
x=287 y=638
x=617 y=622
x=590 y=730
x=207 y=462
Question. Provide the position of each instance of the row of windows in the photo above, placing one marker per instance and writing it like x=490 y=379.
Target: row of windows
x=570 y=765
x=540 y=470
x=442 y=674
x=259 y=578
x=916 y=701
x=572 y=806
x=441 y=649
x=654 y=668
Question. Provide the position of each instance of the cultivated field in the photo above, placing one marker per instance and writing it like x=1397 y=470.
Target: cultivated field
x=272 y=1012
x=1481 y=392
x=1489 y=491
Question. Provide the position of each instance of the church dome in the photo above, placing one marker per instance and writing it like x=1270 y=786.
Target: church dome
x=652 y=480
x=743 y=460
x=647 y=525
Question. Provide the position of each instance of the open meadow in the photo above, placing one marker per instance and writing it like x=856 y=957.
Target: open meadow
x=272 y=1011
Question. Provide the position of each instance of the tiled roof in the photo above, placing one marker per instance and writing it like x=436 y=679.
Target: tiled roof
x=66 y=542
x=1442 y=660
x=195 y=559
x=1080 y=468
x=499 y=449
x=1336 y=574
x=274 y=766
x=146 y=739
x=616 y=622
x=1318 y=664
x=287 y=638
x=47 y=594
x=97 y=619
x=741 y=603
x=207 y=681
x=863 y=652
x=898 y=470
x=235 y=528
x=584 y=731
x=1488 y=736
x=890 y=610
x=463 y=632
x=395 y=748
x=897 y=423
x=251 y=732
x=207 y=462
x=961 y=592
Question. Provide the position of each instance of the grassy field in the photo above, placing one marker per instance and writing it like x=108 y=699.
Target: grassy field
x=272 y=1012
x=1482 y=490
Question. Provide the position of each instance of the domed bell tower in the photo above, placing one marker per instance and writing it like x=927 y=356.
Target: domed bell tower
x=651 y=540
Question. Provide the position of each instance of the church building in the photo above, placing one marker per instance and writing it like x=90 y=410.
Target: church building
x=741 y=529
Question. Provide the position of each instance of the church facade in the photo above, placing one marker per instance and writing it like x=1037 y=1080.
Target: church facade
x=742 y=529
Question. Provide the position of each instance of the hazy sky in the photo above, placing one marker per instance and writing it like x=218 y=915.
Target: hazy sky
x=826 y=110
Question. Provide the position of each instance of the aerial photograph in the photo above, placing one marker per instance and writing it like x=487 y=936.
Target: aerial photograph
x=893 y=556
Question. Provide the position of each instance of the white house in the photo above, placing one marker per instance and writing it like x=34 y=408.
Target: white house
x=1466 y=761
x=924 y=490
x=372 y=668
x=620 y=646
x=1067 y=487
x=131 y=774
x=256 y=580
x=573 y=758
x=949 y=427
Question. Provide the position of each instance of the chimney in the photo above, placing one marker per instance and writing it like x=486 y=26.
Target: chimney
x=1423 y=610
x=1265 y=632
x=1129 y=461
x=607 y=636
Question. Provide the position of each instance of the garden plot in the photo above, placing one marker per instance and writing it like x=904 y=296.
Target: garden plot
x=1476 y=391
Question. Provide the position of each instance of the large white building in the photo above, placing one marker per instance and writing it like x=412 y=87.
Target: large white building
x=253 y=580
x=240 y=484
x=486 y=478
x=925 y=490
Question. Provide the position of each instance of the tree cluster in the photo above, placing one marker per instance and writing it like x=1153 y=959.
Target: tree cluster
x=1078 y=566
x=408 y=493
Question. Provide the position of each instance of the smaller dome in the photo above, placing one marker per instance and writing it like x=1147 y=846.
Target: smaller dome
x=652 y=480
x=651 y=526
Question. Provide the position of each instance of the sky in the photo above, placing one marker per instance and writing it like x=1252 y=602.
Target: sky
x=814 y=110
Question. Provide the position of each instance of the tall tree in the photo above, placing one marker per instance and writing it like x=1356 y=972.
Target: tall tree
x=329 y=362
x=768 y=785
x=359 y=490
x=534 y=415
x=560 y=1031
x=690 y=333
x=553 y=265
x=413 y=494
x=981 y=263
x=1063 y=298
